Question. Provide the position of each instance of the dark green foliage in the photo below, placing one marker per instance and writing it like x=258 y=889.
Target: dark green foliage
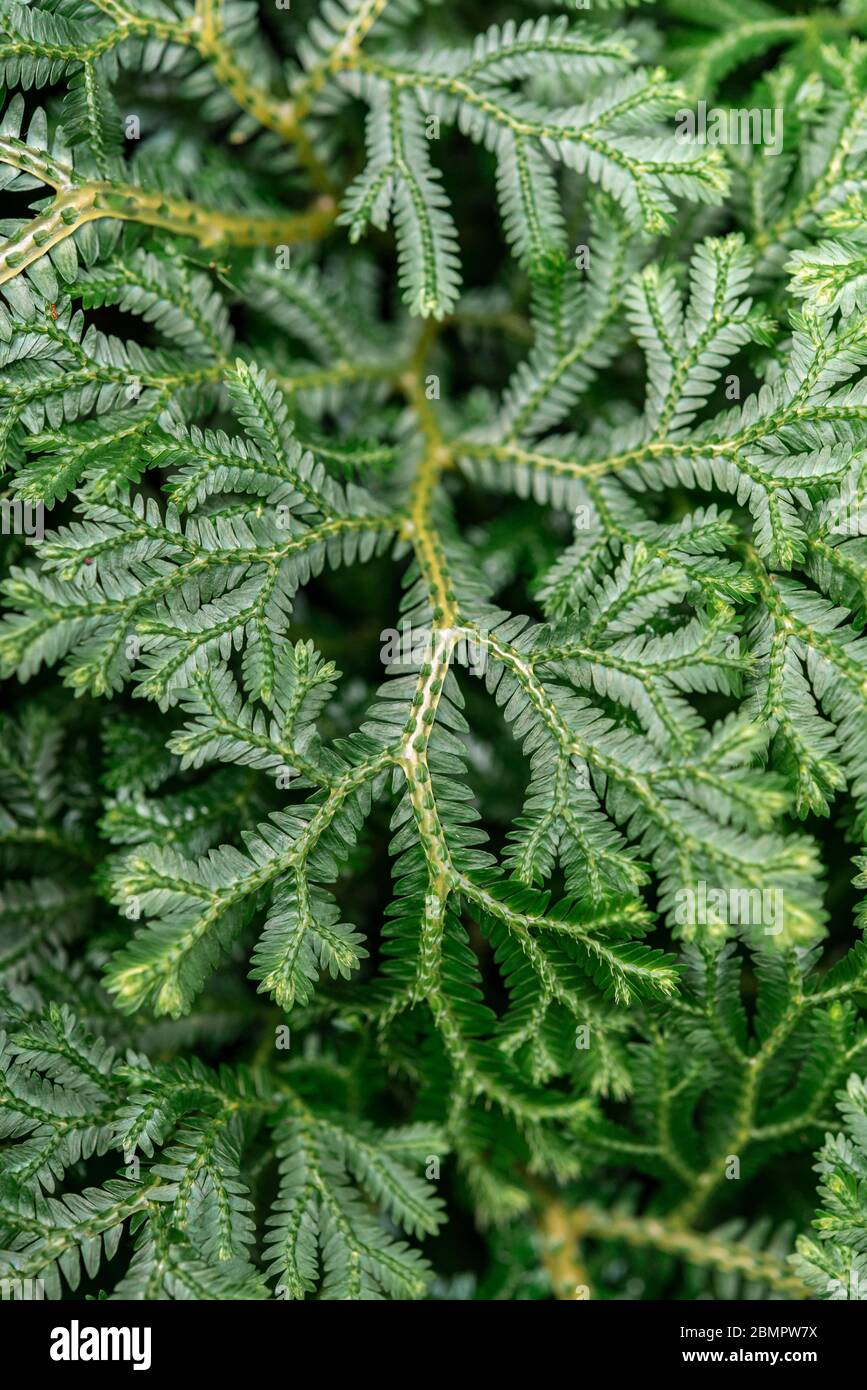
x=438 y=701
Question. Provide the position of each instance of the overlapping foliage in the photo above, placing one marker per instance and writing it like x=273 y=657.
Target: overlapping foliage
x=577 y=416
